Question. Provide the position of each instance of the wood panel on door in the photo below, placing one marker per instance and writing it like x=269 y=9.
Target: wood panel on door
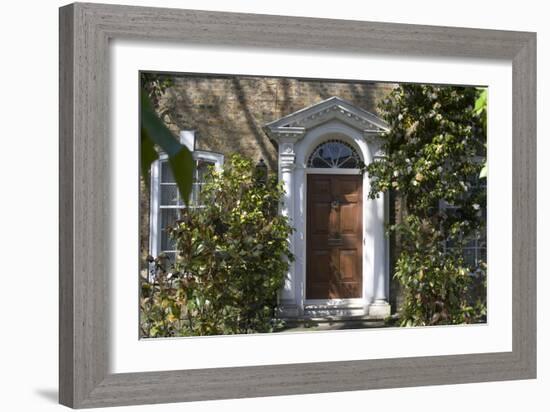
x=334 y=237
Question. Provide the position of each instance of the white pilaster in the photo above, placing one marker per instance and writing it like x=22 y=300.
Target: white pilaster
x=286 y=176
x=379 y=307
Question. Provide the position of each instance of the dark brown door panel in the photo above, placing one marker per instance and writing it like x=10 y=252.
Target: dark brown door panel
x=334 y=237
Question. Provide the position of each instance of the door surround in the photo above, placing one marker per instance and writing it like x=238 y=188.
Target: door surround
x=297 y=135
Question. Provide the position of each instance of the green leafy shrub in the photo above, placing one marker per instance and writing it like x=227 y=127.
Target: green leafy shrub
x=233 y=255
x=162 y=301
x=432 y=156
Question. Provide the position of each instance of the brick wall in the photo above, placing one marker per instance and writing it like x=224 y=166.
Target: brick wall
x=229 y=112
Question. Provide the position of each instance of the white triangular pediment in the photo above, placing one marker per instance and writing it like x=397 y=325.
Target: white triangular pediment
x=296 y=124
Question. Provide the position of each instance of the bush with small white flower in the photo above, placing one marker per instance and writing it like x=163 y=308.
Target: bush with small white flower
x=435 y=150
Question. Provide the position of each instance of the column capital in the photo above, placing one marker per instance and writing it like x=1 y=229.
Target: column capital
x=287 y=168
x=287 y=163
x=287 y=156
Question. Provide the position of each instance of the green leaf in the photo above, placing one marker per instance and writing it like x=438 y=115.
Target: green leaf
x=182 y=169
x=154 y=132
x=481 y=102
x=237 y=269
x=483 y=172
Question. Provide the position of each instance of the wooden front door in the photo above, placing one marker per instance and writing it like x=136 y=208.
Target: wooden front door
x=334 y=236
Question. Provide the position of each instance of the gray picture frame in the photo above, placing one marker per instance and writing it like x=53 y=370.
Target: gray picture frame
x=85 y=31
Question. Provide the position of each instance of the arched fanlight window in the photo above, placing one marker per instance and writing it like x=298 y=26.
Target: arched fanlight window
x=334 y=154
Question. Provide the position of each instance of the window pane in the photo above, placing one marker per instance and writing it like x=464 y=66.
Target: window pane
x=470 y=257
x=166 y=175
x=167 y=219
x=318 y=162
x=171 y=204
x=472 y=244
x=195 y=194
x=349 y=163
x=166 y=243
x=334 y=154
x=201 y=168
x=171 y=259
x=169 y=195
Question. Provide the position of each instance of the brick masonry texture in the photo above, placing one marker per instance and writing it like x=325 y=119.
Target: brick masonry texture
x=229 y=112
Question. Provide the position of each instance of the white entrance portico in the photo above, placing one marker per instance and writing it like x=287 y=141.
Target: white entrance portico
x=322 y=144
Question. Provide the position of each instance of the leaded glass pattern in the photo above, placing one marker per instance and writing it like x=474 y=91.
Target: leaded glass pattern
x=171 y=203
x=334 y=154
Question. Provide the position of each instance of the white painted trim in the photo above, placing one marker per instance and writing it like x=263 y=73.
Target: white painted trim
x=187 y=138
x=216 y=158
x=335 y=303
x=375 y=266
x=330 y=312
x=328 y=171
x=336 y=130
x=153 y=211
x=154 y=204
x=331 y=108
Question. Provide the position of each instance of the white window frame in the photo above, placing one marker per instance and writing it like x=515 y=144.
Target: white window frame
x=154 y=206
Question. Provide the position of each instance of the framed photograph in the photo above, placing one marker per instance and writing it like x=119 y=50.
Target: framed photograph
x=256 y=205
